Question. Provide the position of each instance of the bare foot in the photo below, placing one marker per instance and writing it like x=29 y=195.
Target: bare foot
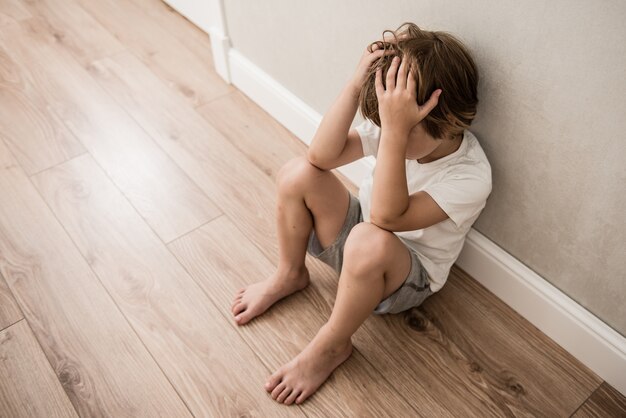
x=305 y=373
x=256 y=298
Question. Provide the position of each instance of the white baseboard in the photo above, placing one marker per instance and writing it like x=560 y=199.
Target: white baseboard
x=586 y=337
x=220 y=45
x=289 y=110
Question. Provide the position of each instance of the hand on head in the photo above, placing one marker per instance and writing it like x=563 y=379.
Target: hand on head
x=397 y=98
x=367 y=59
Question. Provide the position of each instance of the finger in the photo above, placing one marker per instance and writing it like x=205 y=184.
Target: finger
x=378 y=83
x=411 y=84
x=377 y=54
x=391 y=74
x=401 y=83
x=431 y=103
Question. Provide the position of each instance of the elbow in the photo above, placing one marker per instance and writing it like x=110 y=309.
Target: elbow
x=314 y=161
x=310 y=156
x=379 y=221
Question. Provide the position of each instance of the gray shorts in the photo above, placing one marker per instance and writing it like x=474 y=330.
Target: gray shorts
x=413 y=291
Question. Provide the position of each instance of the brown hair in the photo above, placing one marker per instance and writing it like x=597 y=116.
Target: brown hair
x=437 y=60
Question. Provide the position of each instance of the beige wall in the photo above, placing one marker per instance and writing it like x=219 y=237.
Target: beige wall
x=551 y=119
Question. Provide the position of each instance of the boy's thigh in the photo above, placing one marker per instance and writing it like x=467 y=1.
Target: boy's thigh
x=380 y=253
x=329 y=204
x=332 y=252
x=407 y=282
x=412 y=292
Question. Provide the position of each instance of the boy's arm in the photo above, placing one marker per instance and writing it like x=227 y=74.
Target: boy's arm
x=330 y=138
x=392 y=208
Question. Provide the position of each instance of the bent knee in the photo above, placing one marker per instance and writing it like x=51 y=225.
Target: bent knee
x=366 y=245
x=296 y=173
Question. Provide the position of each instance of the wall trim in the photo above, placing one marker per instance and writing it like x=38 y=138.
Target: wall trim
x=220 y=46
x=569 y=324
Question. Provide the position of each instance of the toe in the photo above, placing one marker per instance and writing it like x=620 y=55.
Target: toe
x=235 y=302
x=243 y=317
x=278 y=389
x=272 y=381
x=240 y=307
x=292 y=397
x=302 y=397
x=283 y=395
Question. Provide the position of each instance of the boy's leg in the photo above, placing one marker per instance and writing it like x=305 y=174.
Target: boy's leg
x=376 y=263
x=307 y=197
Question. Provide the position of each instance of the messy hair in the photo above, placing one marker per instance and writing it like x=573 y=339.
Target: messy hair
x=438 y=60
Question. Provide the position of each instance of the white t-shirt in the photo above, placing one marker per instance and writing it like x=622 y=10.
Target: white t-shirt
x=460 y=184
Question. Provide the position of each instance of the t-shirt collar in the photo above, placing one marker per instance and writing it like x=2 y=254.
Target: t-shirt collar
x=443 y=160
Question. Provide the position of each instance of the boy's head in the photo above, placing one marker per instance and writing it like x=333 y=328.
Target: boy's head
x=438 y=60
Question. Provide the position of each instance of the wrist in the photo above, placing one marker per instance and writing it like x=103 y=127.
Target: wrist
x=394 y=132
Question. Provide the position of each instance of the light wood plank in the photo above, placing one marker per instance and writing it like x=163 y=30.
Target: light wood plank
x=12 y=10
x=103 y=366
x=210 y=366
x=256 y=134
x=169 y=201
x=167 y=56
x=10 y=312
x=30 y=388
x=234 y=183
x=604 y=402
x=222 y=260
x=74 y=29
x=34 y=135
x=194 y=38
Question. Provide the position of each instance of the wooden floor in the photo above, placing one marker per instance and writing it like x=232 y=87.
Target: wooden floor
x=137 y=193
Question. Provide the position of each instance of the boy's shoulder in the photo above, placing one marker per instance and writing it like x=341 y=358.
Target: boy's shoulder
x=472 y=159
x=467 y=171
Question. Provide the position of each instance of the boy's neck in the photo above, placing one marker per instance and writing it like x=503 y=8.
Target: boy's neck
x=447 y=147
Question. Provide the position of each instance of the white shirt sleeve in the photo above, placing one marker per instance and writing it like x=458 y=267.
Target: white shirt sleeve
x=370 y=137
x=461 y=195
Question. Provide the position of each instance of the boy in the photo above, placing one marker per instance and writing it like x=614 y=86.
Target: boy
x=393 y=246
